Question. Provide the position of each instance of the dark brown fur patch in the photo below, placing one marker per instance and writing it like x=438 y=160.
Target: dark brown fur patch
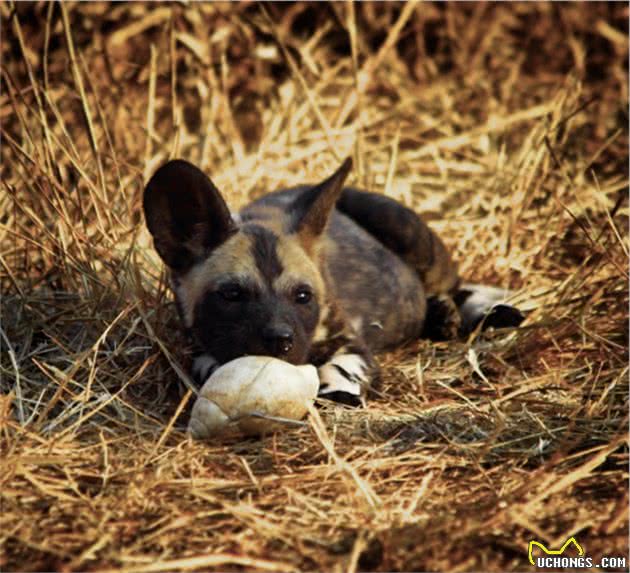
x=264 y=244
x=186 y=214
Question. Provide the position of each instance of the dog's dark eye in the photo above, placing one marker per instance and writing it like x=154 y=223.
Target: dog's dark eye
x=302 y=295
x=233 y=293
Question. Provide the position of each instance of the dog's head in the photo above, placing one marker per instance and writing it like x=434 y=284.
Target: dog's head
x=251 y=288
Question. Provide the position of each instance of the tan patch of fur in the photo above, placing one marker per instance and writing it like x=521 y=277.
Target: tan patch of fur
x=308 y=241
x=298 y=268
x=268 y=216
x=233 y=258
x=321 y=330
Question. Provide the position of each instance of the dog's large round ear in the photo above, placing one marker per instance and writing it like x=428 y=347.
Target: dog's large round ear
x=185 y=213
x=311 y=210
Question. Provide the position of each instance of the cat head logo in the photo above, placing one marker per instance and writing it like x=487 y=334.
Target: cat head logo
x=560 y=551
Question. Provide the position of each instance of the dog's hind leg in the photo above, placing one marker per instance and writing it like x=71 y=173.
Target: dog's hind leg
x=452 y=308
x=403 y=232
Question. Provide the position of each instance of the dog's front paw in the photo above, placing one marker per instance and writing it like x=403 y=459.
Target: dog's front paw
x=345 y=378
x=203 y=366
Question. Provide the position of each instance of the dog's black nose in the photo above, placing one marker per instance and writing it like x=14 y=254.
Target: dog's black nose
x=278 y=339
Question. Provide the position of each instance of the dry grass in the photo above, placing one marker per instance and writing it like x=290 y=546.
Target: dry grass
x=506 y=123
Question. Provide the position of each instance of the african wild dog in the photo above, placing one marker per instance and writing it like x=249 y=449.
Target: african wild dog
x=321 y=274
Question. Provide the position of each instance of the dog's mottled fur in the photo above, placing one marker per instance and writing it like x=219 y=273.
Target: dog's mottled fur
x=319 y=273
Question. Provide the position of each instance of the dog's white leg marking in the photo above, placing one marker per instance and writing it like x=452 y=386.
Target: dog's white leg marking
x=236 y=218
x=346 y=374
x=356 y=323
x=203 y=366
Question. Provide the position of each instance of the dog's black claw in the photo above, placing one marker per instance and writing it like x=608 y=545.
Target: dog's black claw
x=503 y=316
x=343 y=398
